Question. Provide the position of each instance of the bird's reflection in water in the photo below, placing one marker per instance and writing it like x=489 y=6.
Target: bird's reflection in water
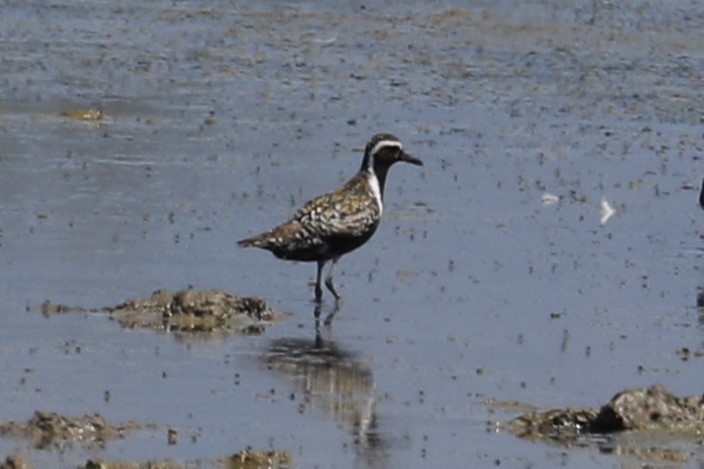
x=332 y=382
x=318 y=311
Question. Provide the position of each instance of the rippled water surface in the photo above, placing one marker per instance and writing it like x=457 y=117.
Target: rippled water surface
x=219 y=118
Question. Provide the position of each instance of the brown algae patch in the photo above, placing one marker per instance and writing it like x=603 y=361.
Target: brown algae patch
x=187 y=310
x=49 y=429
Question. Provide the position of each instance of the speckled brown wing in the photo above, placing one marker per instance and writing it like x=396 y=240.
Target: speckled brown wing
x=326 y=227
x=290 y=240
x=350 y=211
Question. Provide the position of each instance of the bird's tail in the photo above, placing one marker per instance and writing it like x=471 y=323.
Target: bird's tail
x=273 y=238
x=249 y=242
x=262 y=240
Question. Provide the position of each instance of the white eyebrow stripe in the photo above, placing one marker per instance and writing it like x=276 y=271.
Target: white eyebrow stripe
x=386 y=143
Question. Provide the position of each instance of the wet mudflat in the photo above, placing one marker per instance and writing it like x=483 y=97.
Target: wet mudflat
x=141 y=140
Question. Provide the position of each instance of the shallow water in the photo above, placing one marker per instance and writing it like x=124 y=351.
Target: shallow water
x=221 y=118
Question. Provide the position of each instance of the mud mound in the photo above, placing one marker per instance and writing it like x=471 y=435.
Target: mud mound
x=249 y=459
x=245 y=459
x=188 y=310
x=103 y=464
x=654 y=409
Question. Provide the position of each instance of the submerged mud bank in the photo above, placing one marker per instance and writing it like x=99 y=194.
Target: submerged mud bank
x=141 y=140
x=646 y=411
x=188 y=310
x=245 y=459
x=50 y=429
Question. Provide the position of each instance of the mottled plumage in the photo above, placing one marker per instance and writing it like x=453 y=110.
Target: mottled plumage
x=340 y=221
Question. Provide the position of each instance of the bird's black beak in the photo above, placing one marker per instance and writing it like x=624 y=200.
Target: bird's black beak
x=410 y=159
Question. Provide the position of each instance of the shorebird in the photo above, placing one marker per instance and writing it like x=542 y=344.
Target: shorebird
x=333 y=224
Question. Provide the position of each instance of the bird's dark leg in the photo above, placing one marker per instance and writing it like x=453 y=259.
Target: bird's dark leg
x=328 y=279
x=318 y=279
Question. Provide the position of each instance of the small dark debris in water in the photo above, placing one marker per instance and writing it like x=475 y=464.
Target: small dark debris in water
x=211 y=119
x=187 y=310
x=653 y=409
x=49 y=307
x=172 y=436
x=684 y=353
x=89 y=114
x=254 y=329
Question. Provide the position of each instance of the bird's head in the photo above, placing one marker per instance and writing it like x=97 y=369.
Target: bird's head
x=383 y=150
